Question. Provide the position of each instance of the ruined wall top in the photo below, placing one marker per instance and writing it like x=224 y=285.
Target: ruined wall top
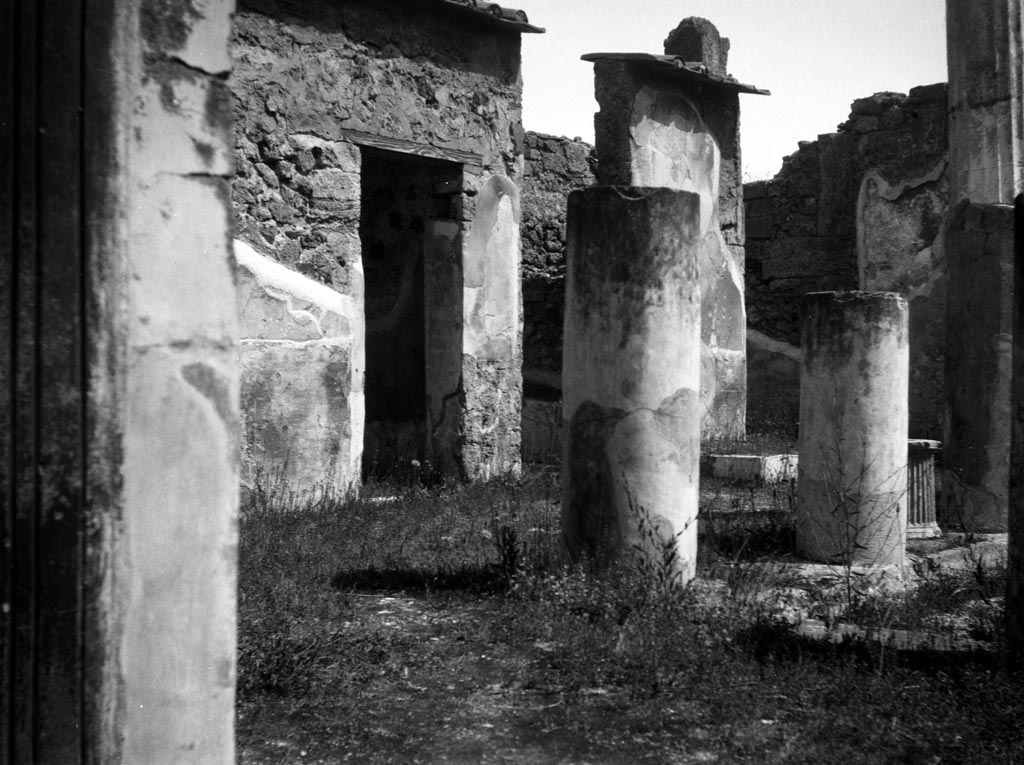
x=697 y=39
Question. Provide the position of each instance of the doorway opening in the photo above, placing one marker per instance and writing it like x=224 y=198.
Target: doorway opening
x=410 y=236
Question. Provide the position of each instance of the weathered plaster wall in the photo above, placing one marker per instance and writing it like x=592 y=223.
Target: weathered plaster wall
x=554 y=167
x=651 y=132
x=492 y=335
x=119 y=446
x=314 y=82
x=303 y=428
x=858 y=209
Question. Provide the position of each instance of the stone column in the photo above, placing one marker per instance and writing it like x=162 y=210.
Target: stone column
x=979 y=331
x=852 y=485
x=986 y=171
x=631 y=375
x=1015 y=542
x=663 y=124
x=986 y=100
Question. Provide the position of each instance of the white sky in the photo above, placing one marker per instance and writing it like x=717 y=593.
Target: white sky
x=815 y=56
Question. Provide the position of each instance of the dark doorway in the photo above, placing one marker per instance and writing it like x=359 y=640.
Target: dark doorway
x=406 y=200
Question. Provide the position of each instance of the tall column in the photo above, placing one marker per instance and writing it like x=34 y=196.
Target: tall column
x=986 y=100
x=852 y=483
x=672 y=121
x=631 y=375
x=986 y=171
x=1015 y=543
x=979 y=328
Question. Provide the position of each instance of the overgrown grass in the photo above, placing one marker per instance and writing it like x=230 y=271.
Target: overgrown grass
x=392 y=627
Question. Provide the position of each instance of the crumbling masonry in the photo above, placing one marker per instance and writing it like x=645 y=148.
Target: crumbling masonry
x=378 y=153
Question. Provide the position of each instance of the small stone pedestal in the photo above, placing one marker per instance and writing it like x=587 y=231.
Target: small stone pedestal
x=921 y=523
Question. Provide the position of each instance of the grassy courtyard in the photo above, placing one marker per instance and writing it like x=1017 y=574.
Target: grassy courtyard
x=443 y=626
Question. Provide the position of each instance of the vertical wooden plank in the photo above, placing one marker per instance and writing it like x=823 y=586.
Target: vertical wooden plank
x=23 y=432
x=60 y=389
x=8 y=122
x=1015 y=540
x=44 y=386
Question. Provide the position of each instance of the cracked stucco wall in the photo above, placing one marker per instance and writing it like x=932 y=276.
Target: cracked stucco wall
x=302 y=362
x=492 y=335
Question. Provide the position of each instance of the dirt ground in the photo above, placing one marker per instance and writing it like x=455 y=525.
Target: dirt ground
x=471 y=706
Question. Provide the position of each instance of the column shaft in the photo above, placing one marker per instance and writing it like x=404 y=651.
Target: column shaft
x=631 y=375
x=851 y=502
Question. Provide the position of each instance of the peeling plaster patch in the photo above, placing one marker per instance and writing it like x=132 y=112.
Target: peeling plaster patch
x=213 y=386
x=302 y=376
x=894 y=191
x=194 y=33
x=673 y=148
x=906 y=227
x=204 y=150
x=167 y=73
x=219 y=104
x=164 y=25
x=275 y=279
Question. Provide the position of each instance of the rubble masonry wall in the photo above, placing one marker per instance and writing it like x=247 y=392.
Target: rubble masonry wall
x=861 y=208
x=312 y=80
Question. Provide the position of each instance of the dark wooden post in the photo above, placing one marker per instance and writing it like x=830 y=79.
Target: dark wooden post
x=1015 y=552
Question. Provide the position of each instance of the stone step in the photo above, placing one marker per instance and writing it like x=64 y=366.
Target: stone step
x=754 y=468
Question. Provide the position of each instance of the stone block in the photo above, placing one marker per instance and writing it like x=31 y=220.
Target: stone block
x=697 y=39
x=754 y=468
